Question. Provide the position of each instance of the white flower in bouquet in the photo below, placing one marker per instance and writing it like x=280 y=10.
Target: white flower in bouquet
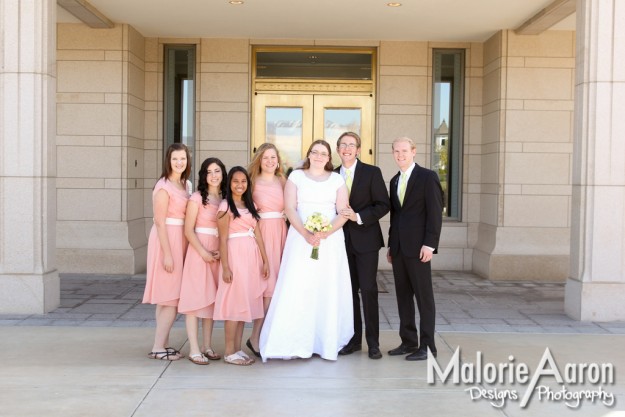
x=317 y=222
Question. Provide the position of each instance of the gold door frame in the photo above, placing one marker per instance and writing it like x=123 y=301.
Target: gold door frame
x=333 y=94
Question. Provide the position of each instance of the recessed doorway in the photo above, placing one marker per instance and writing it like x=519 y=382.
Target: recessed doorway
x=333 y=94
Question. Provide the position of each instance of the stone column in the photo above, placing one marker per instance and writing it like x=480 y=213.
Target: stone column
x=595 y=289
x=29 y=281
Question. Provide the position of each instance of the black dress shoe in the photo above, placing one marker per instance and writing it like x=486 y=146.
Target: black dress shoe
x=419 y=355
x=403 y=350
x=374 y=353
x=251 y=348
x=350 y=348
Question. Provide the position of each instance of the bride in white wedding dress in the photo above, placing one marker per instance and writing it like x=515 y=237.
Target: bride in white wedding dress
x=311 y=310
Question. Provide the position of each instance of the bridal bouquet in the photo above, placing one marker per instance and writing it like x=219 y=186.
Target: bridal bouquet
x=317 y=222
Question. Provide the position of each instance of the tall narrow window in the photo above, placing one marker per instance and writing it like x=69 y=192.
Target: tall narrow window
x=179 y=100
x=447 y=118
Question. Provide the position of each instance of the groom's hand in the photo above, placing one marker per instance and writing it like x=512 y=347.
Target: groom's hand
x=349 y=214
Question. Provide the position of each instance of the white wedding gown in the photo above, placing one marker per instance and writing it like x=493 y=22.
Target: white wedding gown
x=311 y=309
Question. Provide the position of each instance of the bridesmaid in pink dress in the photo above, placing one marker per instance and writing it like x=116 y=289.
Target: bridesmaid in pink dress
x=167 y=246
x=243 y=263
x=201 y=266
x=268 y=182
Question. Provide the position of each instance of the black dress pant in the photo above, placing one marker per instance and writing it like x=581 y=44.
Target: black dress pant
x=363 y=269
x=413 y=279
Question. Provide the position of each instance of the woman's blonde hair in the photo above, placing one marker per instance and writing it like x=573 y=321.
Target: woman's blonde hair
x=254 y=169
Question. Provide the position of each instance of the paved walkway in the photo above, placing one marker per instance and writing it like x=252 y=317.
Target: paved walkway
x=465 y=303
x=88 y=358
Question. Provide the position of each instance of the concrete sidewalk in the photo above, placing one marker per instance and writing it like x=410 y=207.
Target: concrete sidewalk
x=89 y=358
x=79 y=371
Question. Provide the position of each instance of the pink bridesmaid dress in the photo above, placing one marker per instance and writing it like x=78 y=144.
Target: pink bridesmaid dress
x=200 y=278
x=162 y=287
x=241 y=299
x=269 y=198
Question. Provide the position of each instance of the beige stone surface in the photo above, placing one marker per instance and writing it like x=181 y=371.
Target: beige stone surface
x=224 y=87
x=89 y=76
x=136 y=81
x=79 y=55
x=547 y=268
x=449 y=259
x=550 y=43
x=29 y=293
x=539 y=126
x=403 y=53
x=103 y=205
x=489 y=210
x=594 y=301
x=28 y=277
x=552 y=169
x=540 y=83
x=224 y=67
x=80 y=36
x=102 y=261
x=492 y=48
x=81 y=119
x=225 y=50
x=409 y=90
x=536 y=210
x=492 y=86
x=454 y=235
x=88 y=162
x=394 y=126
x=224 y=126
x=110 y=376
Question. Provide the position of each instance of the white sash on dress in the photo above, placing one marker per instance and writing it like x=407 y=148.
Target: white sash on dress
x=249 y=233
x=207 y=231
x=272 y=215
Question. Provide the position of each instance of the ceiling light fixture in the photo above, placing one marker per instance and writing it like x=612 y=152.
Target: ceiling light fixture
x=393 y=4
x=235 y=2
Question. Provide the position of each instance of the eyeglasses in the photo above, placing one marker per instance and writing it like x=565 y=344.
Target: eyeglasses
x=321 y=154
x=348 y=145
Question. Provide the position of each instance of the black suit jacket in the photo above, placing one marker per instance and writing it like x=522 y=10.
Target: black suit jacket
x=418 y=222
x=369 y=199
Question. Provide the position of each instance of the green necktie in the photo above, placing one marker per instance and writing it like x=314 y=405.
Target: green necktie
x=348 y=179
x=402 y=188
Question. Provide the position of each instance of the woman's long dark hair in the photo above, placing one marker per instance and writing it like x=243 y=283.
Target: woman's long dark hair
x=246 y=197
x=167 y=162
x=202 y=186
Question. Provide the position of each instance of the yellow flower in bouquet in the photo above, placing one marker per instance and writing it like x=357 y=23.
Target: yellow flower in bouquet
x=317 y=222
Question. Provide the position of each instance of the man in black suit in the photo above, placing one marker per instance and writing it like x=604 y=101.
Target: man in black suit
x=416 y=220
x=368 y=203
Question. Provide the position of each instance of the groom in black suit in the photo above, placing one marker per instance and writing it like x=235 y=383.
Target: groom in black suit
x=368 y=203
x=416 y=220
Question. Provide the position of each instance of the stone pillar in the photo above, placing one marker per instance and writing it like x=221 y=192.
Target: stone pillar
x=595 y=289
x=525 y=157
x=29 y=281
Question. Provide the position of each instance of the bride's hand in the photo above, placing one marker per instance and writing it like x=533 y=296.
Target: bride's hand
x=312 y=239
x=322 y=235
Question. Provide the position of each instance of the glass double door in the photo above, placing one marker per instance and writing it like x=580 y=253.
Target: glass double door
x=293 y=121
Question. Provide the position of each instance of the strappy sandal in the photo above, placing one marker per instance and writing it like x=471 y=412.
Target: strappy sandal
x=198 y=359
x=164 y=356
x=236 y=359
x=173 y=351
x=210 y=354
x=246 y=356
